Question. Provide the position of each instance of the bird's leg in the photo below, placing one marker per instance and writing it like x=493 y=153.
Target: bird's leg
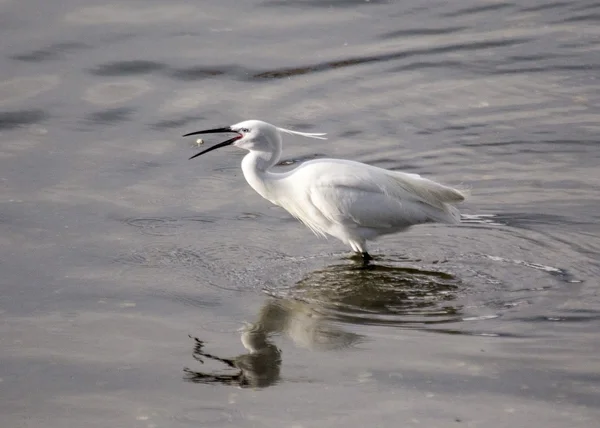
x=199 y=377
x=366 y=257
x=226 y=361
x=198 y=352
x=360 y=248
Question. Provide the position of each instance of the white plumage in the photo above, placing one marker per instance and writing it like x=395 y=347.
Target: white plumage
x=351 y=201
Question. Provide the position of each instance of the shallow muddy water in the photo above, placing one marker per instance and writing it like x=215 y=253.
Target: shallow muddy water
x=114 y=247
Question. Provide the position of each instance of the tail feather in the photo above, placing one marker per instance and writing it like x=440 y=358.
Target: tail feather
x=453 y=214
x=429 y=191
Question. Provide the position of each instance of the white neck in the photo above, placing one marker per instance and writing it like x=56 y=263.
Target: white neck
x=255 y=167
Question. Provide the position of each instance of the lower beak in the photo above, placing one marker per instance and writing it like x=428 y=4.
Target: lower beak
x=215 y=131
x=223 y=144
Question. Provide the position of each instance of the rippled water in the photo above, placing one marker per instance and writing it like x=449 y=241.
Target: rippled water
x=113 y=247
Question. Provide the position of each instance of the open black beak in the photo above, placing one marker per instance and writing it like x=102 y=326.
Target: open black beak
x=215 y=131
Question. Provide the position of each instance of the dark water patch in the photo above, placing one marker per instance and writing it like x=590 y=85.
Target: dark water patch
x=348 y=133
x=558 y=145
x=583 y=6
x=15 y=119
x=592 y=17
x=451 y=128
x=176 y=123
x=111 y=116
x=584 y=314
x=533 y=57
x=198 y=73
x=398 y=167
x=579 y=44
x=503 y=70
x=240 y=73
x=540 y=7
x=423 y=65
x=51 y=53
x=326 y=66
x=478 y=9
x=127 y=68
x=421 y=32
x=328 y=4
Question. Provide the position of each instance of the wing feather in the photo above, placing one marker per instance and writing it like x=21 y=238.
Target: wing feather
x=361 y=195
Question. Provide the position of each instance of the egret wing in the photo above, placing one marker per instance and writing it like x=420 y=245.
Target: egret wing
x=374 y=197
x=359 y=208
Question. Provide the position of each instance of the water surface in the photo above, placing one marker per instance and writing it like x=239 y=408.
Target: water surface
x=114 y=248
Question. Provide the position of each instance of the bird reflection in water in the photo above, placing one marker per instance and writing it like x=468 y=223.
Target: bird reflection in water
x=311 y=311
x=258 y=368
x=261 y=366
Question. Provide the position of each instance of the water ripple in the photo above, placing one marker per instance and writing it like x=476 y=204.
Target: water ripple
x=16 y=119
x=51 y=53
x=176 y=123
x=545 y=6
x=323 y=4
x=198 y=73
x=127 y=68
x=473 y=46
x=157 y=226
x=478 y=9
x=111 y=116
x=422 y=32
x=164 y=255
x=380 y=295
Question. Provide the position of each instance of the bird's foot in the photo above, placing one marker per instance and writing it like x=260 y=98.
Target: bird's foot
x=366 y=258
x=199 y=353
x=363 y=258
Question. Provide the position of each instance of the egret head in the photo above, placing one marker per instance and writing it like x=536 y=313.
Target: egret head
x=256 y=135
x=252 y=135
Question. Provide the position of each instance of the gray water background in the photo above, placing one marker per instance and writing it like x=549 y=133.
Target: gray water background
x=114 y=247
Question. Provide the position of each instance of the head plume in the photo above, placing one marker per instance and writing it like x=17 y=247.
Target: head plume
x=319 y=136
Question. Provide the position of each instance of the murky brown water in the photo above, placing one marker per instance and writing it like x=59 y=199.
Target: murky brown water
x=113 y=247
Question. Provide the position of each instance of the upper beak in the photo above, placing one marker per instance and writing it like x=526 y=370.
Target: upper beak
x=214 y=131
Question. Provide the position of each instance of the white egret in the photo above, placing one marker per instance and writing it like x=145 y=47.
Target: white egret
x=349 y=200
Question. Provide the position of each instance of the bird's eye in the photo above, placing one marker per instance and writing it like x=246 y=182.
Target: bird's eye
x=244 y=130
